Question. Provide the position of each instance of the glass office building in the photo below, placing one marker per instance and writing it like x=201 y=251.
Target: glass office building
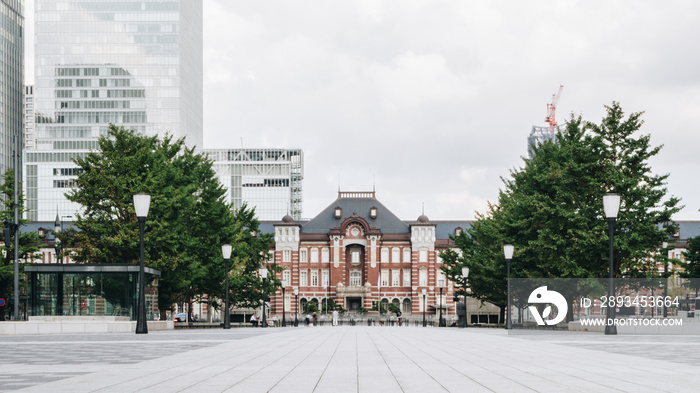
x=11 y=82
x=136 y=64
x=267 y=179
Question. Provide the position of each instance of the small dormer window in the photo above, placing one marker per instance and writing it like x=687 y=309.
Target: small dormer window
x=373 y=212
x=458 y=231
x=338 y=212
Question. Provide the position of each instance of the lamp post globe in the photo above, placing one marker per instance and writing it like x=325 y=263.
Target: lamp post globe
x=226 y=251
x=142 y=203
x=263 y=275
x=508 y=252
x=611 y=205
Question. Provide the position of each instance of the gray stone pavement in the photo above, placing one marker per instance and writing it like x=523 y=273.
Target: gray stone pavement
x=349 y=359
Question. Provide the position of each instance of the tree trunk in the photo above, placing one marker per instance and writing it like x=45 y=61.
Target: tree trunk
x=209 y=308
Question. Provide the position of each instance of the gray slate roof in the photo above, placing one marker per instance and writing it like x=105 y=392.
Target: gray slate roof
x=688 y=229
x=386 y=221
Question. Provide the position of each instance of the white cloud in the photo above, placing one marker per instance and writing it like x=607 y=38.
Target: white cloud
x=435 y=99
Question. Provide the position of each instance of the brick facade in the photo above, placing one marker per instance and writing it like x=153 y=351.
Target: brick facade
x=357 y=252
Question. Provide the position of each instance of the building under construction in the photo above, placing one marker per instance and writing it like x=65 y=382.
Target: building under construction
x=542 y=134
x=539 y=135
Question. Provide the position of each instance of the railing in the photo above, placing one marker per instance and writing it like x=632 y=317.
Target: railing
x=356 y=194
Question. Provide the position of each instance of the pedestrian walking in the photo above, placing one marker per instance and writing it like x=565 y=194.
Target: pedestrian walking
x=335 y=317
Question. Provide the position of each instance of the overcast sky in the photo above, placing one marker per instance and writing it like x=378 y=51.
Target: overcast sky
x=432 y=101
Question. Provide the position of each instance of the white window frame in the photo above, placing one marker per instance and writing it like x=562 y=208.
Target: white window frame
x=406 y=255
x=395 y=255
x=440 y=279
x=324 y=278
x=286 y=255
x=355 y=256
x=287 y=302
x=314 y=255
x=385 y=254
x=406 y=277
x=356 y=277
x=395 y=278
x=314 y=278
x=286 y=278
x=303 y=255
x=423 y=255
x=325 y=254
x=385 y=277
x=303 y=278
x=423 y=277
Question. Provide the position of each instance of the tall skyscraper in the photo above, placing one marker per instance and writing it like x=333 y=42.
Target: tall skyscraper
x=11 y=82
x=267 y=179
x=133 y=63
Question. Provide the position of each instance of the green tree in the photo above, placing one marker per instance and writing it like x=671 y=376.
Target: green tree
x=28 y=241
x=187 y=223
x=250 y=253
x=552 y=211
x=480 y=248
x=644 y=209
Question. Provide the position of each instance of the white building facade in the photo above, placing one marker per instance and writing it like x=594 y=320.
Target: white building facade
x=136 y=64
x=29 y=117
x=270 y=180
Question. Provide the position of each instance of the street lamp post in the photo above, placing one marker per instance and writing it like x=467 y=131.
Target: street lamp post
x=263 y=275
x=508 y=251
x=611 y=205
x=141 y=204
x=226 y=250
x=58 y=225
x=425 y=292
x=57 y=242
x=284 y=320
x=665 y=245
x=440 y=317
x=296 y=307
x=465 y=274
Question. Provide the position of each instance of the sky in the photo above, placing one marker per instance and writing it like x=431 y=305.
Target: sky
x=430 y=103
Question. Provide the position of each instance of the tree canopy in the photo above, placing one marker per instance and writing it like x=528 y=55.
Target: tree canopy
x=551 y=209
x=28 y=241
x=187 y=223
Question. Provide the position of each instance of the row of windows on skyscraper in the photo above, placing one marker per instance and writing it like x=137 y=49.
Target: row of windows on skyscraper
x=131 y=63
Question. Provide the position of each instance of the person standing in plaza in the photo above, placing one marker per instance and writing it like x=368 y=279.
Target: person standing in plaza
x=335 y=317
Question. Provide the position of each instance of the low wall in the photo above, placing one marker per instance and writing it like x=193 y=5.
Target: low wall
x=77 y=325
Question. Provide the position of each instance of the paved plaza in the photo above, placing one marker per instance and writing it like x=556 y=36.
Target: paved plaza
x=349 y=359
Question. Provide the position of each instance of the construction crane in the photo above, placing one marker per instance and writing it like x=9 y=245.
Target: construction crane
x=551 y=110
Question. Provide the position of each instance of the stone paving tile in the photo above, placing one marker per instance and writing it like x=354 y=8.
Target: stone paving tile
x=361 y=359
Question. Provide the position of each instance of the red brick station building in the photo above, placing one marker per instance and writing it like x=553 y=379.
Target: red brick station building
x=357 y=252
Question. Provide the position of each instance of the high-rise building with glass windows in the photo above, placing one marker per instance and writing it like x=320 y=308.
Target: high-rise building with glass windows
x=133 y=63
x=11 y=82
x=29 y=117
x=267 y=179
